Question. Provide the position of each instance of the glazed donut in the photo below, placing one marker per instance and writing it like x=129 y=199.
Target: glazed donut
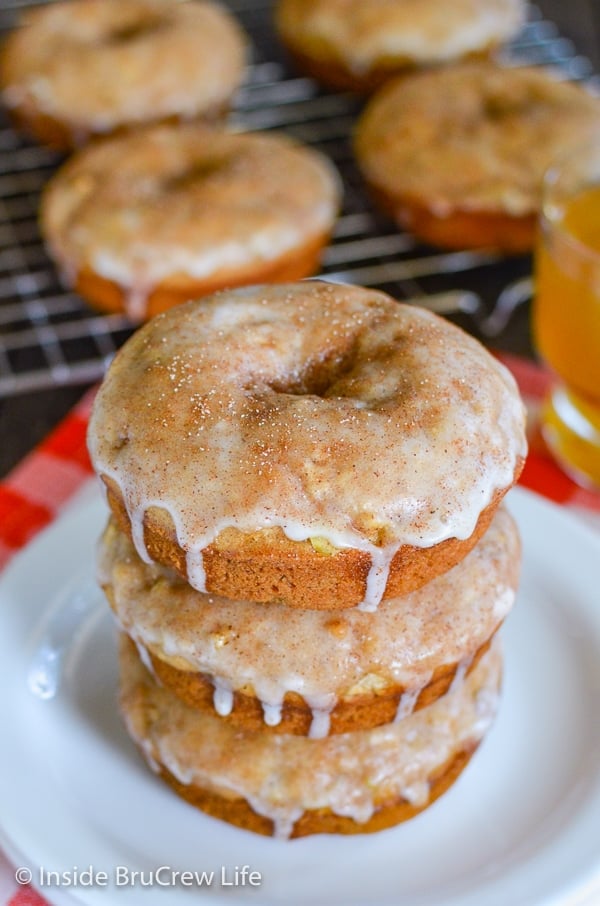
x=289 y=786
x=458 y=156
x=354 y=45
x=326 y=674
x=314 y=444
x=144 y=221
x=87 y=67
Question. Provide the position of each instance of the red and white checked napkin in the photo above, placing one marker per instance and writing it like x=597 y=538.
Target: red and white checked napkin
x=38 y=489
x=35 y=492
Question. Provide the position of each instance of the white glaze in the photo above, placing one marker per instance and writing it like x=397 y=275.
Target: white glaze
x=461 y=672
x=222 y=697
x=406 y=704
x=273 y=240
x=321 y=706
x=422 y=31
x=272 y=713
x=145 y=744
x=144 y=656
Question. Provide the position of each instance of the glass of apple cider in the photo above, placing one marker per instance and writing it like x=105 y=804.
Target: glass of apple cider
x=566 y=311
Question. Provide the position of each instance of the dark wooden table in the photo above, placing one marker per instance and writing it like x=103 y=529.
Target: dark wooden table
x=26 y=419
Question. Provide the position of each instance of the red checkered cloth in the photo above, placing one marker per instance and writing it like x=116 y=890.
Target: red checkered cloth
x=36 y=491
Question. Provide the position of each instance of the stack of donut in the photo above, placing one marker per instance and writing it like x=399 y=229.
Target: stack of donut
x=307 y=554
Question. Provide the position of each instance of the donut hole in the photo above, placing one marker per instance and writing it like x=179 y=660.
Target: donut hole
x=197 y=172
x=135 y=30
x=320 y=376
x=500 y=105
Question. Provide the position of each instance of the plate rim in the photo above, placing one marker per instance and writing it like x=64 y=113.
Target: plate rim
x=88 y=501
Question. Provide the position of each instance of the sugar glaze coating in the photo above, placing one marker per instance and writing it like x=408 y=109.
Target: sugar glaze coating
x=421 y=32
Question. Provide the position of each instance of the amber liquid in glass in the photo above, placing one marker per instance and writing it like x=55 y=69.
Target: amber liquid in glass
x=566 y=323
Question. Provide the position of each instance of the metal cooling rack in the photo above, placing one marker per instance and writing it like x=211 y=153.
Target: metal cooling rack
x=49 y=338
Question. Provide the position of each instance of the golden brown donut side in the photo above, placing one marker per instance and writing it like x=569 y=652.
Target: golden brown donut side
x=59 y=136
x=461 y=229
x=106 y=295
x=269 y=568
x=43 y=128
x=361 y=712
x=319 y=821
x=357 y=46
x=332 y=73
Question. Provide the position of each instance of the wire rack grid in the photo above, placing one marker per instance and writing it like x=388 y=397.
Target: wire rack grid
x=50 y=338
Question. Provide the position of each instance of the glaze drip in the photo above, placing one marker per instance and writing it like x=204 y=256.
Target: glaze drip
x=407 y=703
x=461 y=672
x=321 y=707
x=271 y=714
x=223 y=697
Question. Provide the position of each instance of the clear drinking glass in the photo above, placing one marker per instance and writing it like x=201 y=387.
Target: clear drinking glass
x=566 y=311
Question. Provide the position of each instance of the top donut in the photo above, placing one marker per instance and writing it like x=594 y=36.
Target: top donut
x=86 y=67
x=355 y=45
x=315 y=444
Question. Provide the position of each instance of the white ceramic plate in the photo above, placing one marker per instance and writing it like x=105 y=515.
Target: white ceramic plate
x=521 y=826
